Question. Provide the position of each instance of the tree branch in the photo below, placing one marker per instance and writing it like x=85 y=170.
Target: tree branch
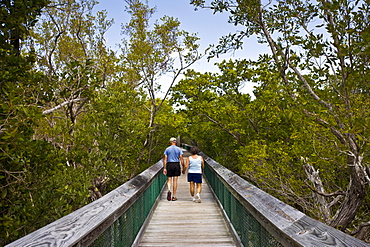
x=336 y=193
x=222 y=128
x=361 y=230
x=60 y=106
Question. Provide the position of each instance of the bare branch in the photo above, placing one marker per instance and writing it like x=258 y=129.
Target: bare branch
x=361 y=230
x=60 y=106
x=336 y=193
x=336 y=199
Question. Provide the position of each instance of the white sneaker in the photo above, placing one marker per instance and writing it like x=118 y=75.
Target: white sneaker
x=197 y=198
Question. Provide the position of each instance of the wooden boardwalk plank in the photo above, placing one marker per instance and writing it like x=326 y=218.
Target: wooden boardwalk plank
x=186 y=223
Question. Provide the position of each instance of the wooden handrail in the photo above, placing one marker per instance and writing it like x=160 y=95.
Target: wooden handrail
x=83 y=226
x=289 y=226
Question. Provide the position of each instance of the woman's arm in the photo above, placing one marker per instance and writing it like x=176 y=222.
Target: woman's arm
x=186 y=166
x=202 y=164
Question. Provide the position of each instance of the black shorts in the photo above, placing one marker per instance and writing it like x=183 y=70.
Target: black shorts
x=173 y=169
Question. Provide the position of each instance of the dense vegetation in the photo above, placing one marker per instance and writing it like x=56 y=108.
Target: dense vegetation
x=78 y=119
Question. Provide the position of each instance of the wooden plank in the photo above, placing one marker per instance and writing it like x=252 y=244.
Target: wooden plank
x=186 y=223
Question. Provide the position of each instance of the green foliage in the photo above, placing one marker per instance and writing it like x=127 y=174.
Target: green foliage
x=17 y=17
x=21 y=157
x=101 y=116
x=310 y=101
x=25 y=162
x=148 y=55
x=109 y=137
x=215 y=109
x=21 y=177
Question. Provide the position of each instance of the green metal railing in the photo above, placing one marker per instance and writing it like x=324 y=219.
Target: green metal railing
x=249 y=230
x=261 y=220
x=116 y=219
x=119 y=218
x=126 y=228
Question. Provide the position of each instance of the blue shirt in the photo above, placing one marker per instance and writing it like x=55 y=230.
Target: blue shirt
x=173 y=153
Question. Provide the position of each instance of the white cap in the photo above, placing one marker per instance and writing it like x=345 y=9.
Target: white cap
x=173 y=139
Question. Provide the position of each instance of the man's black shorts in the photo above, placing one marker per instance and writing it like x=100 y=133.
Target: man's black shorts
x=173 y=169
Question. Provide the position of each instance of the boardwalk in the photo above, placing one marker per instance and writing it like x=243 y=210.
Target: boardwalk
x=185 y=223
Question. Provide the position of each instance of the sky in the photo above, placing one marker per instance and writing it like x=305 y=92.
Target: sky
x=209 y=28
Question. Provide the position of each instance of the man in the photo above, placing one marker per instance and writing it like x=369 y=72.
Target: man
x=171 y=167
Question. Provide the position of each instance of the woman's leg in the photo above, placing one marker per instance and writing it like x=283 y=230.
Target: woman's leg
x=192 y=188
x=197 y=196
x=199 y=188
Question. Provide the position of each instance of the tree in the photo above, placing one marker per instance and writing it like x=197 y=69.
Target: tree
x=17 y=17
x=71 y=49
x=149 y=55
x=214 y=101
x=38 y=185
x=71 y=122
x=108 y=137
x=321 y=51
x=20 y=154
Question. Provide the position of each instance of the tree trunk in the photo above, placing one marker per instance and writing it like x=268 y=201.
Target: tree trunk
x=313 y=176
x=15 y=35
x=153 y=112
x=356 y=190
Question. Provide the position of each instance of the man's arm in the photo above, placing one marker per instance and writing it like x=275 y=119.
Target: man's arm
x=183 y=164
x=182 y=161
x=165 y=165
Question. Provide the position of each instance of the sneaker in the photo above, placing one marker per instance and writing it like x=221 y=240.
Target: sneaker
x=197 y=198
x=169 y=198
x=193 y=199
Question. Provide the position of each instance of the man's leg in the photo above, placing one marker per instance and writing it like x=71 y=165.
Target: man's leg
x=175 y=180
x=169 y=180
x=169 y=197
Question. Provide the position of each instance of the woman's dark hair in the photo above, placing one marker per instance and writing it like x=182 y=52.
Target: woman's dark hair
x=194 y=150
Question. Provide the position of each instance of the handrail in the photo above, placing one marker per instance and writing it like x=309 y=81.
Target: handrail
x=105 y=219
x=287 y=225
x=83 y=226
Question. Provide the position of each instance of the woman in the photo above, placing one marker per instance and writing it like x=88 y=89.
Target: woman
x=195 y=166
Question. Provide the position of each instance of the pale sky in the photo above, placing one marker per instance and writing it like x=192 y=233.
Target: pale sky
x=209 y=28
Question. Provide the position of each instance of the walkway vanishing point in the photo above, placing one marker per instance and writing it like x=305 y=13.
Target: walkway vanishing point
x=138 y=214
x=186 y=223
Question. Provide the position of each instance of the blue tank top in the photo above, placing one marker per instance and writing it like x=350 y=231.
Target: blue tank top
x=195 y=165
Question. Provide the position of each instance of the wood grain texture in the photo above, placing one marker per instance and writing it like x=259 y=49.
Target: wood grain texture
x=84 y=225
x=288 y=225
x=186 y=223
